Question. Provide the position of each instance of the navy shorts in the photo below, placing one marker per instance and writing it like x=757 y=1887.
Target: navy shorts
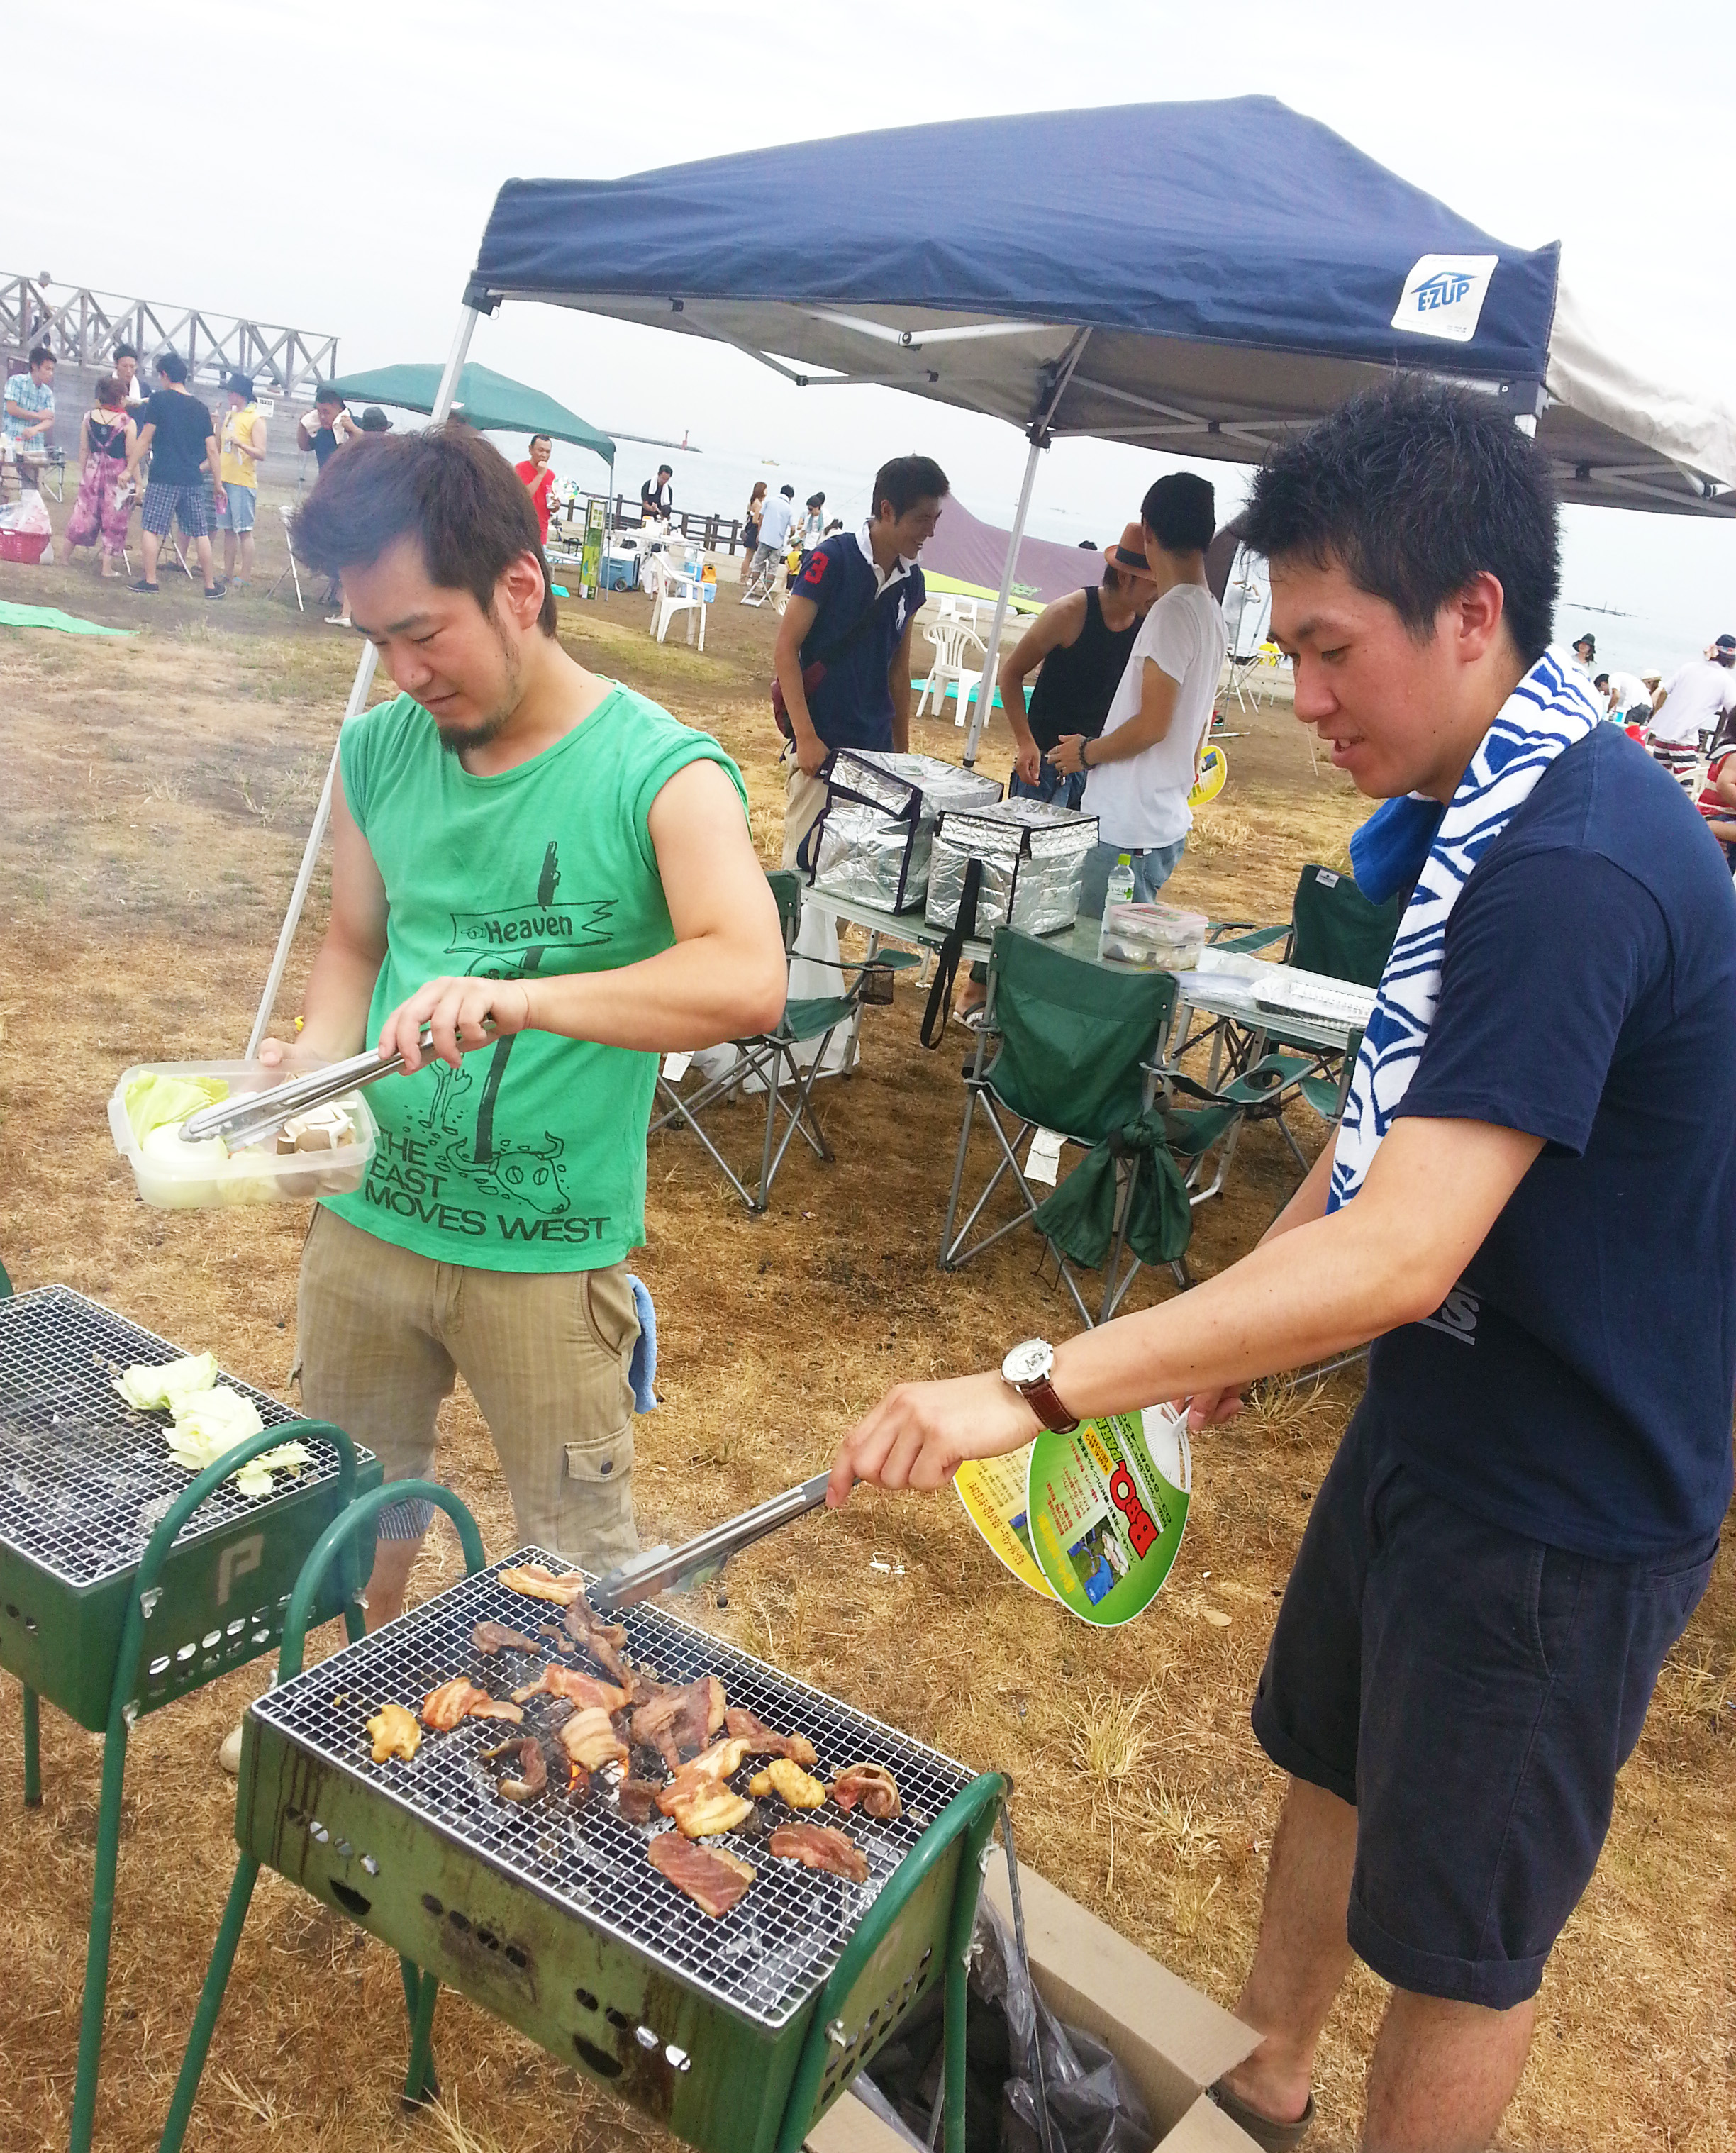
x=1474 y=1693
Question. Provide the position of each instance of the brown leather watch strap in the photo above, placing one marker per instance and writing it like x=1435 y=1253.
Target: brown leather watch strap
x=1045 y=1401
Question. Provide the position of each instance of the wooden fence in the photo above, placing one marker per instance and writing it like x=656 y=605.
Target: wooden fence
x=83 y=328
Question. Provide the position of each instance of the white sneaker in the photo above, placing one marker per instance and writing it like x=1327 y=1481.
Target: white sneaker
x=229 y=1756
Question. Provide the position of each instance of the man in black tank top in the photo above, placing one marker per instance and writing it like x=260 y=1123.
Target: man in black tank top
x=1083 y=642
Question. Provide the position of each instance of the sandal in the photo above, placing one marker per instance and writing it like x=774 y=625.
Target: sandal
x=1265 y=2130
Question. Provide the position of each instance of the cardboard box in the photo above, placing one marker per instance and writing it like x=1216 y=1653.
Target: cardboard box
x=1171 y=2041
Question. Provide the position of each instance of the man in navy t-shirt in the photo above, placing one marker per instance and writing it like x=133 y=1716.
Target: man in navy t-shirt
x=1531 y=1208
x=844 y=649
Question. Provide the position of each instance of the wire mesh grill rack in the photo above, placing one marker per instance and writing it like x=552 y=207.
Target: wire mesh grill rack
x=771 y=1953
x=83 y=1478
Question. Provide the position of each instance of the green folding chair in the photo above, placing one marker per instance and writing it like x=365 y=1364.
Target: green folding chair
x=1070 y=1044
x=769 y=1059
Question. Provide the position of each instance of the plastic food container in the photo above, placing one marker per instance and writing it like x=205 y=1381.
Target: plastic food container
x=1159 y=938
x=258 y=1174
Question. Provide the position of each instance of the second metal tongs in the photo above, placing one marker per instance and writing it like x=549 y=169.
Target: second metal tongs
x=255 y=1114
x=661 y=1569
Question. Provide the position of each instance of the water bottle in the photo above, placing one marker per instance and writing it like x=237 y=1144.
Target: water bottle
x=1119 y=891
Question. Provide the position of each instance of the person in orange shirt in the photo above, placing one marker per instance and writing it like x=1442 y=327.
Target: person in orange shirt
x=538 y=475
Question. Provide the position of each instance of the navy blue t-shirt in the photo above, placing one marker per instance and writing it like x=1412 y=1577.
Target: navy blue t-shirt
x=1577 y=1386
x=851 y=707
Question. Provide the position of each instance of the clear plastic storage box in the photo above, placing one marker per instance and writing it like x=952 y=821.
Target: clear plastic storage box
x=175 y=1176
x=1160 y=937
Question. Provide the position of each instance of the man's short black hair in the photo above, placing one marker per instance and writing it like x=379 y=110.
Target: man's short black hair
x=43 y=354
x=787 y=491
x=549 y=438
x=173 y=367
x=323 y=393
x=1602 y=681
x=666 y=471
x=1181 y=512
x=445 y=488
x=126 y=351
x=906 y=480
x=1413 y=488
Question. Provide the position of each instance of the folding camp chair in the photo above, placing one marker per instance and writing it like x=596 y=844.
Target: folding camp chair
x=769 y=1060
x=287 y=513
x=1072 y=1042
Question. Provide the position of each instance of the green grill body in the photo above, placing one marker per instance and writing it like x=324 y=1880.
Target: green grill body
x=550 y=1918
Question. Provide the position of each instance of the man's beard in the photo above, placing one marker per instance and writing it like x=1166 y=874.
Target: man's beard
x=460 y=739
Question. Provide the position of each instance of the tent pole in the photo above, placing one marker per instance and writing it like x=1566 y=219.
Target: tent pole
x=985 y=686
x=467 y=320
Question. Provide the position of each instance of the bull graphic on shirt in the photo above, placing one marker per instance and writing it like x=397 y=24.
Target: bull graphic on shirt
x=529 y=1174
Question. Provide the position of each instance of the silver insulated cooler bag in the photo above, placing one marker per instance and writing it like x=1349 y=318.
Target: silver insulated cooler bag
x=871 y=841
x=1033 y=856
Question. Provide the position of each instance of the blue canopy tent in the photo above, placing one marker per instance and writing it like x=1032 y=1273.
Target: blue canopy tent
x=1196 y=278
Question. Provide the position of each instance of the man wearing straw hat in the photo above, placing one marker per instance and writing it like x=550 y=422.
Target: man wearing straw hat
x=1523 y=1514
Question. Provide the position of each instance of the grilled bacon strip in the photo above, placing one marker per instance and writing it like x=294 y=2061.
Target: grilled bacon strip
x=677 y=1722
x=712 y=1879
x=762 y=1742
x=872 y=1785
x=537 y=1581
x=589 y=1740
x=579 y=1688
x=533 y=1776
x=821 y=1846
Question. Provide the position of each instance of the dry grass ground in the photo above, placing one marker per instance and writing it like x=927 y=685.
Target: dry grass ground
x=159 y=794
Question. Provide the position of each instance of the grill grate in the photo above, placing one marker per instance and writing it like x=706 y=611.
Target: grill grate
x=764 y=1958
x=84 y=1480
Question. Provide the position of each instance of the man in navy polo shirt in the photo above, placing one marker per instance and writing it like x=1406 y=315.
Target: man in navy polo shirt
x=844 y=651
x=1525 y=1511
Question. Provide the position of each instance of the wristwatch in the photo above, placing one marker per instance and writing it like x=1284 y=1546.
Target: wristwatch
x=1028 y=1367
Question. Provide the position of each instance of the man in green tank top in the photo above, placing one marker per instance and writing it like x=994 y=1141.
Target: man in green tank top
x=557 y=877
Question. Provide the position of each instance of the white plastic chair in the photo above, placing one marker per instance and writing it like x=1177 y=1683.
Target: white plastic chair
x=952 y=637
x=680 y=589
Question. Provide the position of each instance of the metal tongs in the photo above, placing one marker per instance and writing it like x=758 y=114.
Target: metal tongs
x=256 y=1114
x=663 y=1568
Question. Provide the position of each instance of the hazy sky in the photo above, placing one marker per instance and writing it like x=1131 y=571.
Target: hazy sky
x=346 y=188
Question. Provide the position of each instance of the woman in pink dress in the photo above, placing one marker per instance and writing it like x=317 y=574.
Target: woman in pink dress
x=104 y=501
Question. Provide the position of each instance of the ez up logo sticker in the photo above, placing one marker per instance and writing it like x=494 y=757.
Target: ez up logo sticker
x=1444 y=296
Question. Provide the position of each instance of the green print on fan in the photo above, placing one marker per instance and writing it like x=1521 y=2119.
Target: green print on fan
x=1107 y=1504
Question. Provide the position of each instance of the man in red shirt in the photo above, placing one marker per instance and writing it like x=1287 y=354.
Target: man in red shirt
x=538 y=475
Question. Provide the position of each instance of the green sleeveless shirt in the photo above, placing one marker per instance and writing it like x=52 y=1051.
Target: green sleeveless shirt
x=531 y=1156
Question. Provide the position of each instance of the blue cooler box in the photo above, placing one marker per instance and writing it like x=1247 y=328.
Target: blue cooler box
x=620 y=571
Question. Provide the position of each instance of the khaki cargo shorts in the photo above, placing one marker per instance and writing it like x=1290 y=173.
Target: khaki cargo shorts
x=383 y=1334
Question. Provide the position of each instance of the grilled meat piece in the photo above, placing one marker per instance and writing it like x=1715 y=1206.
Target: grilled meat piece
x=710 y=1768
x=637 y=1800
x=602 y=1640
x=492 y=1637
x=676 y=1723
x=533 y=1776
x=714 y=1880
x=713 y=1807
x=821 y=1846
x=570 y=1682
x=496 y=1707
x=762 y=1742
x=872 y=1785
x=538 y=1582
x=783 y=1776
x=395 y=1734
x=589 y=1739
x=442 y=1708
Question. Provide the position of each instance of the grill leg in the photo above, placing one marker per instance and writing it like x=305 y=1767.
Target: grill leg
x=211 y=2002
x=421 y=1991
x=32 y=1750
x=102 y=1930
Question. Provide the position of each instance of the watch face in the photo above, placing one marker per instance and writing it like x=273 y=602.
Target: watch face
x=1030 y=1363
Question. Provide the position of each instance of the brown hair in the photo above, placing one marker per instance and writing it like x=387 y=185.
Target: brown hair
x=109 y=393
x=445 y=488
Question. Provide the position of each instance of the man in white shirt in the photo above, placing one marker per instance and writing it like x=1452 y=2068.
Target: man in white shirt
x=1698 y=697
x=1141 y=766
x=774 y=543
x=1625 y=695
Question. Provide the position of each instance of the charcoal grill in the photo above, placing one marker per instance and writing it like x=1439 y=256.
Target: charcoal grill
x=736 y=2032
x=123 y=1584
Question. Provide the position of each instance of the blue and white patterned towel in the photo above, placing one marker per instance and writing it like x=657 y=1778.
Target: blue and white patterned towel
x=1550 y=710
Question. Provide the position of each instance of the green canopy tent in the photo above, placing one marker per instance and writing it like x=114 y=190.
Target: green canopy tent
x=492 y=403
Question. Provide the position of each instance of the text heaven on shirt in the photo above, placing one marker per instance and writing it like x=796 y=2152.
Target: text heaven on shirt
x=1577 y=1385
x=531 y=1155
x=851 y=707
